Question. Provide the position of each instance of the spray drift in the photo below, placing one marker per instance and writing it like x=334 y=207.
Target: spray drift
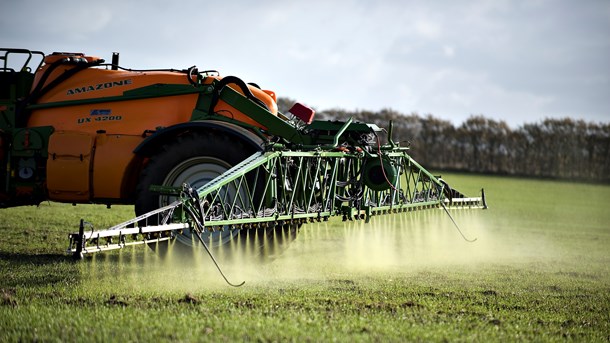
x=276 y=191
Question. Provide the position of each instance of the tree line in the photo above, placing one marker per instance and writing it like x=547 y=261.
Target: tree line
x=552 y=148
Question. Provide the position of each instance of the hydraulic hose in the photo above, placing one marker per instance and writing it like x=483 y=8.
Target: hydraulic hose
x=225 y=81
x=41 y=89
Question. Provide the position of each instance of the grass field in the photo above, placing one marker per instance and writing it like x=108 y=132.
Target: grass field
x=539 y=271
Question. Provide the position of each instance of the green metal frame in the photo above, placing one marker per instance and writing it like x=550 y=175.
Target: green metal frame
x=277 y=187
x=312 y=185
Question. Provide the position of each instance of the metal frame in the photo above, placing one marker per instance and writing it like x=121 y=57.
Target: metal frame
x=277 y=187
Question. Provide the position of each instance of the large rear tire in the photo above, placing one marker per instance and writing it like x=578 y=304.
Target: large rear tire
x=196 y=159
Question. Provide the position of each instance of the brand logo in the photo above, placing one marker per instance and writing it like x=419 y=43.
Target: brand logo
x=100 y=112
x=99 y=86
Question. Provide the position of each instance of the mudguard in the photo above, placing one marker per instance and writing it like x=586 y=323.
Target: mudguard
x=151 y=144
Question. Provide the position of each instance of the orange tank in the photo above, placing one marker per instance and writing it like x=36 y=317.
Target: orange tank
x=96 y=128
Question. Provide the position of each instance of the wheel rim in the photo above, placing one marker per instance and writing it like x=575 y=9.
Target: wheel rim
x=196 y=172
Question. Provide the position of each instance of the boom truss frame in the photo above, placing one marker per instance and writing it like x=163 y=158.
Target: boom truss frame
x=284 y=187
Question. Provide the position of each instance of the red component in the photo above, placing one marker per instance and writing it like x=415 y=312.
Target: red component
x=26 y=141
x=302 y=112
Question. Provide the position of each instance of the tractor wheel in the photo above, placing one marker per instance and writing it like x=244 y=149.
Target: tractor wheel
x=195 y=159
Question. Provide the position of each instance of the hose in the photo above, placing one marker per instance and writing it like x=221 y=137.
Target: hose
x=198 y=220
x=241 y=84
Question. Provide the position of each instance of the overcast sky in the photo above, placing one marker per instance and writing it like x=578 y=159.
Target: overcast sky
x=519 y=61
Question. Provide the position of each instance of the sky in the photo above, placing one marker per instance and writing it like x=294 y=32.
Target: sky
x=519 y=61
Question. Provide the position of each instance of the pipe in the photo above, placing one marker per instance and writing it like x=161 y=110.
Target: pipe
x=115 y=61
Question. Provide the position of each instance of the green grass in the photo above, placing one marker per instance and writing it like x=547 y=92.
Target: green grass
x=539 y=271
